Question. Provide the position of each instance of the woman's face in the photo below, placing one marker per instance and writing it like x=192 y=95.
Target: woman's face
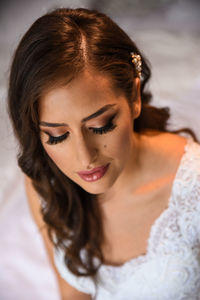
x=85 y=125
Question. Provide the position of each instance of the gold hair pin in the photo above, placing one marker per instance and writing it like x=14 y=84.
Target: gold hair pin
x=137 y=61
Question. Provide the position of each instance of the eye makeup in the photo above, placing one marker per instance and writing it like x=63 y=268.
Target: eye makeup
x=101 y=130
x=56 y=139
x=108 y=127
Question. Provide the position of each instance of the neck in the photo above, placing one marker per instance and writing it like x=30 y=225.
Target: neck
x=132 y=170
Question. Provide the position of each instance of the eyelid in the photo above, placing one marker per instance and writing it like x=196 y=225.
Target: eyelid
x=105 y=120
x=54 y=134
x=54 y=140
x=109 y=126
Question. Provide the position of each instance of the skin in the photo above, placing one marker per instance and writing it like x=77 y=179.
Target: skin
x=83 y=148
x=136 y=188
x=135 y=159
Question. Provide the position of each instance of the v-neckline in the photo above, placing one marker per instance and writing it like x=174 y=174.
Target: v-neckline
x=154 y=227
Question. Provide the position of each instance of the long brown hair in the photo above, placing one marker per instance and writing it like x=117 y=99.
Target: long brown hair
x=55 y=49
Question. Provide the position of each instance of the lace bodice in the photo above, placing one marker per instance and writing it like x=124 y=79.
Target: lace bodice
x=170 y=269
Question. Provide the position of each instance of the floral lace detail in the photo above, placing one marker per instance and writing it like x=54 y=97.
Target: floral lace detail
x=176 y=230
x=170 y=269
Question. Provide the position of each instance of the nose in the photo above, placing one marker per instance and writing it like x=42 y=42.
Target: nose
x=86 y=152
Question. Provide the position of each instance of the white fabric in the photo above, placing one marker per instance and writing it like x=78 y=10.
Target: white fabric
x=170 y=270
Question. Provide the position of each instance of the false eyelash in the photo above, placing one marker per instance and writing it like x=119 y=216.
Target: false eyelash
x=108 y=127
x=56 y=139
x=53 y=140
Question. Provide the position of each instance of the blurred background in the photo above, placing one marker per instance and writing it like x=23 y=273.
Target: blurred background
x=168 y=33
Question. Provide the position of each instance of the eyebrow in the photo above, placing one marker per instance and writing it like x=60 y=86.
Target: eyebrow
x=94 y=115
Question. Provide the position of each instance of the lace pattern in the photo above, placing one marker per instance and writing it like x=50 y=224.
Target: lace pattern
x=170 y=269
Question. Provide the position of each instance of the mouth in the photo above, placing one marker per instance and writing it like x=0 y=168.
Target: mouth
x=94 y=174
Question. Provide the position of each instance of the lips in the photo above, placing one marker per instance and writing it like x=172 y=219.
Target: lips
x=94 y=174
x=92 y=171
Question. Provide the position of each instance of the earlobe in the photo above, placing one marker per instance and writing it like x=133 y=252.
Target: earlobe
x=136 y=110
x=137 y=101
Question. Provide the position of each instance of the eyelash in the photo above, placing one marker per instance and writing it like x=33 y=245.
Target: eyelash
x=53 y=140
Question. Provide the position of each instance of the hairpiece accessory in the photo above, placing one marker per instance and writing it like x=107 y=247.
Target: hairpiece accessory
x=137 y=61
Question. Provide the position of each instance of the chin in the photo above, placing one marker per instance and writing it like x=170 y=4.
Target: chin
x=95 y=189
x=100 y=186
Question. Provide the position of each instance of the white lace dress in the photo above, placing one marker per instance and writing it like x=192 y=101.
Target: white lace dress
x=170 y=269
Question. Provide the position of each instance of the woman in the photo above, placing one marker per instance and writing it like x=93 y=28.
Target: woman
x=115 y=193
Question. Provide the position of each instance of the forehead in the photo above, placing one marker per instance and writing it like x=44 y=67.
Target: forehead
x=86 y=93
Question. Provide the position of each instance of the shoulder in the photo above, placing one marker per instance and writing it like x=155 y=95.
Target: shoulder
x=183 y=158
x=172 y=144
x=68 y=284
x=180 y=149
x=186 y=193
x=84 y=284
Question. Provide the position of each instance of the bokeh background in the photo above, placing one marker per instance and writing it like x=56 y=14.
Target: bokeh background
x=168 y=32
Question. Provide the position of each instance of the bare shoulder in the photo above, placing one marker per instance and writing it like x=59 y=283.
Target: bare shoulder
x=163 y=153
x=176 y=138
x=170 y=143
x=176 y=144
x=66 y=290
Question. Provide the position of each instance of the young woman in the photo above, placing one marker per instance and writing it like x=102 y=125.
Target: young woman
x=115 y=193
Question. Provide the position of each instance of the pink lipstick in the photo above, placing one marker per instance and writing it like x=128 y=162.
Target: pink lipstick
x=94 y=174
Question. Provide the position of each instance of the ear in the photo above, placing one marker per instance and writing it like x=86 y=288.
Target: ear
x=137 y=105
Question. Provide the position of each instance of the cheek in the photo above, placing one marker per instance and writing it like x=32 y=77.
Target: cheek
x=116 y=145
x=61 y=157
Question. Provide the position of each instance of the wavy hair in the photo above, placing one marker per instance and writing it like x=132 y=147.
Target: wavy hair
x=55 y=50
